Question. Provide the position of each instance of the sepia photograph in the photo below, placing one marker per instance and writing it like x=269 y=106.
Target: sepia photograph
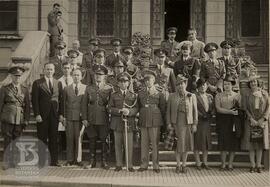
x=134 y=93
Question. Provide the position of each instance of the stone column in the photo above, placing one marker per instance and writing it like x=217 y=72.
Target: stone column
x=141 y=16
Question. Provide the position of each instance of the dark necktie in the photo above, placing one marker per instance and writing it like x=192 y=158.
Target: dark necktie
x=66 y=81
x=124 y=94
x=16 y=90
x=50 y=86
x=76 y=90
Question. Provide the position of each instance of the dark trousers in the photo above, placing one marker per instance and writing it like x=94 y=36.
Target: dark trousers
x=10 y=132
x=47 y=132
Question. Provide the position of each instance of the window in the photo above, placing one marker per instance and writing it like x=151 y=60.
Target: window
x=250 y=18
x=8 y=16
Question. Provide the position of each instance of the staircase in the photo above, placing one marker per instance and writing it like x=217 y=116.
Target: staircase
x=33 y=53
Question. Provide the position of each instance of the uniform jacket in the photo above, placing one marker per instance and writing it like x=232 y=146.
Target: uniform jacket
x=94 y=105
x=117 y=102
x=152 y=107
x=73 y=103
x=191 y=108
x=43 y=101
x=197 y=49
x=213 y=74
x=233 y=66
x=110 y=58
x=58 y=65
x=166 y=75
x=87 y=61
x=14 y=106
x=169 y=46
x=54 y=26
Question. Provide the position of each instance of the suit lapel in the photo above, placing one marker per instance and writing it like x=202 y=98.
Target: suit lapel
x=45 y=86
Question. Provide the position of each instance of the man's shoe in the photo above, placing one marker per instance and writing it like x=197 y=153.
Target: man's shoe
x=259 y=169
x=156 y=170
x=199 y=167
x=252 y=169
x=118 y=168
x=178 y=169
x=55 y=164
x=142 y=169
x=80 y=164
x=68 y=163
x=104 y=165
x=184 y=169
x=204 y=166
x=131 y=169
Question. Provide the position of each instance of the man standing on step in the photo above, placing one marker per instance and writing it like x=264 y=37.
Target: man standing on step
x=15 y=113
x=197 y=46
x=170 y=43
x=45 y=100
x=95 y=115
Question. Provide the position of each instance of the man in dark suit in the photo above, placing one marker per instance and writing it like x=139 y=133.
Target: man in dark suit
x=95 y=115
x=123 y=104
x=45 y=100
x=116 y=43
x=152 y=104
x=15 y=113
x=59 y=59
x=170 y=43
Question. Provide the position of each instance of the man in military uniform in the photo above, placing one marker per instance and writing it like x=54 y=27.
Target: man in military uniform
x=213 y=70
x=95 y=115
x=232 y=64
x=170 y=43
x=118 y=67
x=76 y=47
x=88 y=57
x=152 y=104
x=123 y=104
x=59 y=59
x=197 y=46
x=116 y=43
x=73 y=55
x=98 y=59
x=15 y=112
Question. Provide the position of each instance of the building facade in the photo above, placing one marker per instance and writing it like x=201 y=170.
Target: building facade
x=215 y=20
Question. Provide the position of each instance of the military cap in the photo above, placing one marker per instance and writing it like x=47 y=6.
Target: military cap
x=16 y=70
x=229 y=78
x=172 y=29
x=116 y=41
x=72 y=53
x=161 y=52
x=100 y=70
x=123 y=76
x=210 y=47
x=94 y=41
x=118 y=63
x=60 y=45
x=99 y=51
x=128 y=49
x=226 y=44
x=200 y=82
x=148 y=73
x=180 y=78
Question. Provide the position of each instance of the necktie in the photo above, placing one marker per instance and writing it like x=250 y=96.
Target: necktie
x=16 y=89
x=66 y=81
x=50 y=86
x=76 y=90
x=124 y=94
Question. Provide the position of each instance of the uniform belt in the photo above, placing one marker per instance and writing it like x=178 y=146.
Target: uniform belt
x=151 y=106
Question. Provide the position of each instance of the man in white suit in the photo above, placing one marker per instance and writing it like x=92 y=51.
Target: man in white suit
x=197 y=46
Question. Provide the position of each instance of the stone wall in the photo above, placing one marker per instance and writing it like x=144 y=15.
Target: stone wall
x=141 y=16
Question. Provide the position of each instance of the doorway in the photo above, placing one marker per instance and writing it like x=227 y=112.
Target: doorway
x=177 y=14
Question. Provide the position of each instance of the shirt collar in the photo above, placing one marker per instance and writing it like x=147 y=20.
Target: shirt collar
x=78 y=85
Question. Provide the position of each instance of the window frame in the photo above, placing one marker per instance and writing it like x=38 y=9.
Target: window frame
x=13 y=32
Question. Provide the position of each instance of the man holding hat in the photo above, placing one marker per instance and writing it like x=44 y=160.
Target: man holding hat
x=116 y=43
x=15 y=112
x=59 y=59
x=232 y=64
x=95 y=115
x=88 y=57
x=170 y=43
x=123 y=105
x=152 y=104
x=213 y=70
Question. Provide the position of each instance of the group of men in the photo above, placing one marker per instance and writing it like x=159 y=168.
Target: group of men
x=106 y=93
